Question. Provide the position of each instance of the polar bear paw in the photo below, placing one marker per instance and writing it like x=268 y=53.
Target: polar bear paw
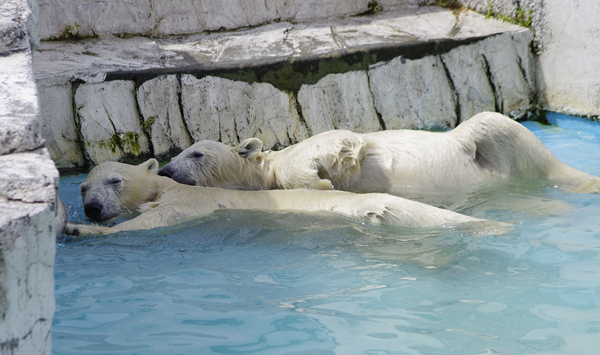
x=325 y=184
x=591 y=186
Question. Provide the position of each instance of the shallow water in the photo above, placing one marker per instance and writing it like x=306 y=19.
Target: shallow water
x=305 y=283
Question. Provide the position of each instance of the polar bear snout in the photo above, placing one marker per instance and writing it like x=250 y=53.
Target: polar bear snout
x=166 y=171
x=100 y=207
x=173 y=173
x=93 y=210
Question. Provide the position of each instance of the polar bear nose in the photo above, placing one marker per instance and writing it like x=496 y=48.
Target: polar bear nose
x=93 y=209
x=166 y=171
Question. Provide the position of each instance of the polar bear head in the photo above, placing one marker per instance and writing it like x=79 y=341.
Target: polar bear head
x=111 y=186
x=214 y=164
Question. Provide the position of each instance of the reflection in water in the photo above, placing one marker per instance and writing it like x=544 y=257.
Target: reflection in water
x=247 y=282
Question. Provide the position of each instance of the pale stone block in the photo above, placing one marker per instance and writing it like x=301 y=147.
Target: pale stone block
x=501 y=60
x=339 y=101
x=212 y=106
x=28 y=190
x=109 y=122
x=493 y=74
x=471 y=85
x=306 y=10
x=230 y=111
x=181 y=16
x=568 y=70
x=523 y=41
x=26 y=176
x=19 y=124
x=57 y=124
x=18 y=25
x=158 y=100
x=268 y=41
x=275 y=117
x=26 y=284
x=413 y=94
x=165 y=17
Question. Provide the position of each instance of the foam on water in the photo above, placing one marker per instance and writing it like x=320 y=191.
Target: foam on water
x=247 y=282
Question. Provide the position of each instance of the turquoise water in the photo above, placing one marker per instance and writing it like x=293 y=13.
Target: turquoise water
x=299 y=283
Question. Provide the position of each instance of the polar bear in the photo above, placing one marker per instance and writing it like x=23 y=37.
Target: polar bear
x=487 y=147
x=112 y=186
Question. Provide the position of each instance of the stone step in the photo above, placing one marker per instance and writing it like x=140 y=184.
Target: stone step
x=90 y=18
x=417 y=67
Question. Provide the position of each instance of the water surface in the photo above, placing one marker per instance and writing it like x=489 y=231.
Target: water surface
x=305 y=283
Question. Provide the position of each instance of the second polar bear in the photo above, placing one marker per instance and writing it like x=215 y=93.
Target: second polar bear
x=488 y=146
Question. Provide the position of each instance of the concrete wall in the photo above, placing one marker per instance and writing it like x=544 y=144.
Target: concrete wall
x=568 y=50
x=28 y=186
x=90 y=18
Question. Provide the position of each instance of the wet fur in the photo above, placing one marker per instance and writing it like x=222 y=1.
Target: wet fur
x=488 y=146
x=163 y=202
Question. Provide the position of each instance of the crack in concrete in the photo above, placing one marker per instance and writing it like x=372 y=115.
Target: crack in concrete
x=457 y=25
x=490 y=76
x=455 y=93
x=399 y=32
x=339 y=41
x=301 y=117
x=183 y=119
x=379 y=116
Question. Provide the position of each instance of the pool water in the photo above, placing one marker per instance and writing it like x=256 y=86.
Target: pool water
x=247 y=282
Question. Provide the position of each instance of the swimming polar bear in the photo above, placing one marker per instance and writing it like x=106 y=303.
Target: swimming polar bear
x=487 y=147
x=111 y=186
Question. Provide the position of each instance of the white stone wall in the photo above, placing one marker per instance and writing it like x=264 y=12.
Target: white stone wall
x=28 y=186
x=90 y=18
x=567 y=37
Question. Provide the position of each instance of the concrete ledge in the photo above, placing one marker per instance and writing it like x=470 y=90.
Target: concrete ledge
x=89 y=18
x=28 y=186
x=279 y=53
x=18 y=103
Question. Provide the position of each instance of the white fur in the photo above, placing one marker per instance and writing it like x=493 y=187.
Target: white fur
x=405 y=162
x=166 y=202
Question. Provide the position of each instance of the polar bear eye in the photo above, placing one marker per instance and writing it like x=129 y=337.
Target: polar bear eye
x=114 y=181
x=196 y=155
x=83 y=188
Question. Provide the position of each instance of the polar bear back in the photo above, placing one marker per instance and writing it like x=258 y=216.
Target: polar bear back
x=330 y=160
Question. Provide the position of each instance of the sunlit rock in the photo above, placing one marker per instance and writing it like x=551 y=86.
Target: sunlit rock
x=158 y=100
x=413 y=94
x=230 y=111
x=339 y=101
x=57 y=123
x=109 y=121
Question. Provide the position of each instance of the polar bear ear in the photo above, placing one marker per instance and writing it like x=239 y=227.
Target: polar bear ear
x=250 y=148
x=150 y=165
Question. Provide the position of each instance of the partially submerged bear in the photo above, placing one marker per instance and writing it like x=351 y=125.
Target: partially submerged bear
x=112 y=186
x=486 y=147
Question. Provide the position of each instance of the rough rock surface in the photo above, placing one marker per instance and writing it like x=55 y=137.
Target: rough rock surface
x=110 y=123
x=18 y=103
x=87 y=18
x=413 y=94
x=230 y=111
x=158 y=100
x=567 y=41
x=339 y=101
x=57 y=123
x=28 y=190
